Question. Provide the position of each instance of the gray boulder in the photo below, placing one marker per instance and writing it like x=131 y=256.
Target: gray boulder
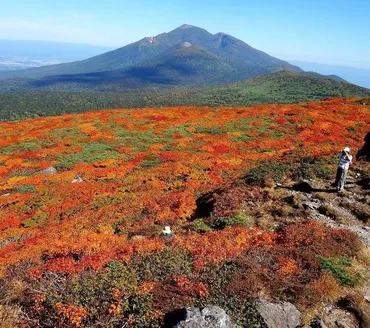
x=208 y=317
x=49 y=170
x=279 y=315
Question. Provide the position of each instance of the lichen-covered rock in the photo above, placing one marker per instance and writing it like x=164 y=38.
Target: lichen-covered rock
x=49 y=170
x=208 y=317
x=281 y=314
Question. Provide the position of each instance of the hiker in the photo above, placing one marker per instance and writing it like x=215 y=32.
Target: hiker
x=345 y=159
x=167 y=235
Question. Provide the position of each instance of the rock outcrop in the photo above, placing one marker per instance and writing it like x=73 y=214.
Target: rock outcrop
x=49 y=170
x=281 y=314
x=208 y=317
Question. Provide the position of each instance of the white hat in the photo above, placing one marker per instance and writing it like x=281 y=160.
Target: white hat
x=167 y=230
x=347 y=149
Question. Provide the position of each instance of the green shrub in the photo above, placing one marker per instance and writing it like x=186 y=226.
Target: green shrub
x=200 y=226
x=214 y=130
x=35 y=220
x=108 y=199
x=24 y=189
x=337 y=267
x=275 y=170
x=163 y=265
x=314 y=168
x=237 y=220
x=94 y=291
x=242 y=311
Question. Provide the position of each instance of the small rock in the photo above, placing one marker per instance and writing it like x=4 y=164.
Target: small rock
x=5 y=195
x=77 y=179
x=282 y=314
x=367 y=298
x=350 y=180
x=208 y=317
x=49 y=170
x=311 y=205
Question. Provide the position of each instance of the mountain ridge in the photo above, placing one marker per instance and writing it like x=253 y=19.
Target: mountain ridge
x=227 y=46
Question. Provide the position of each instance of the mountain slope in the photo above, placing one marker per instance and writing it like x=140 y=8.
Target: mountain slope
x=234 y=50
x=281 y=87
x=182 y=65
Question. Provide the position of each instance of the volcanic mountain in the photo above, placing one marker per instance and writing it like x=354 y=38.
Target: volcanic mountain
x=179 y=57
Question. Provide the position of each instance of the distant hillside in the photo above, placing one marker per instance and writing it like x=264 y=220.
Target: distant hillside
x=22 y=54
x=359 y=76
x=281 y=87
x=236 y=52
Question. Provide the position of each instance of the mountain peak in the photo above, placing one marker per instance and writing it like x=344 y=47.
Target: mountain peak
x=185 y=26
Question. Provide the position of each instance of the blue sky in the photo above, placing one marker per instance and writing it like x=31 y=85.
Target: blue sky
x=325 y=31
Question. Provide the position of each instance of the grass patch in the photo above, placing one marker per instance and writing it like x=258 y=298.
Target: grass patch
x=92 y=152
x=214 y=130
x=35 y=220
x=29 y=145
x=314 y=168
x=151 y=162
x=330 y=211
x=275 y=170
x=361 y=211
x=24 y=189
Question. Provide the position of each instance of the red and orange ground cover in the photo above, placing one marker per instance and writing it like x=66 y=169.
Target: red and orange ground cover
x=143 y=169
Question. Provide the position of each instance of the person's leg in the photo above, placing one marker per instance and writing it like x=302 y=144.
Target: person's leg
x=337 y=178
x=343 y=179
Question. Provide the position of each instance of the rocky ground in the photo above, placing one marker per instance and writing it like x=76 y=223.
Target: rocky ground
x=281 y=204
